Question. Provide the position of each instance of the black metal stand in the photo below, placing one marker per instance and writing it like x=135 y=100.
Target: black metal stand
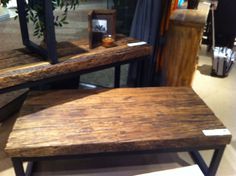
x=140 y=74
x=50 y=51
x=117 y=77
x=214 y=164
x=208 y=171
x=18 y=167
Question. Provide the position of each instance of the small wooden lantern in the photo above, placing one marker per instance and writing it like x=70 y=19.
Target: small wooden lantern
x=101 y=23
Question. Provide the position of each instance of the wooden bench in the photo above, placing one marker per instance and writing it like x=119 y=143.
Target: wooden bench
x=22 y=69
x=79 y=123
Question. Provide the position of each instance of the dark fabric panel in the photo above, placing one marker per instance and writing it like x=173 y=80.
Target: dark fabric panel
x=145 y=27
x=225 y=23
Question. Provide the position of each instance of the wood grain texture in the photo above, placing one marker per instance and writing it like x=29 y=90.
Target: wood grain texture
x=179 y=57
x=94 y=121
x=20 y=66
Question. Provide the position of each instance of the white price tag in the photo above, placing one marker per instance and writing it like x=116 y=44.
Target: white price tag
x=137 y=44
x=216 y=132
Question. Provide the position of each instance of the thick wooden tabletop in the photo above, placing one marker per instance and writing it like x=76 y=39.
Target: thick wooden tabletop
x=21 y=66
x=94 y=121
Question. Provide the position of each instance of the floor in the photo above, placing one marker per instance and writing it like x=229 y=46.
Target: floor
x=218 y=93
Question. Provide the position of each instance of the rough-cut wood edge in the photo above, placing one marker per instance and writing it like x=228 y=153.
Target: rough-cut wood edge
x=39 y=70
x=189 y=17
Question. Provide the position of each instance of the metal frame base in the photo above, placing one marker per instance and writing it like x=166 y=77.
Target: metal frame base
x=214 y=164
x=50 y=52
x=208 y=171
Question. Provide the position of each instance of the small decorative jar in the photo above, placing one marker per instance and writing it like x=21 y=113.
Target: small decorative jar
x=107 y=41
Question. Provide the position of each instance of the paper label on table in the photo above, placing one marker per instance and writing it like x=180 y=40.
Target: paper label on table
x=216 y=132
x=137 y=44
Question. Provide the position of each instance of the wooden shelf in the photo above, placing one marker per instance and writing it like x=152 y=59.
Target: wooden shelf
x=20 y=66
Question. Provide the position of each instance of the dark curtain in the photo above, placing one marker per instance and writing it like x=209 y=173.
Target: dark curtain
x=225 y=23
x=146 y=27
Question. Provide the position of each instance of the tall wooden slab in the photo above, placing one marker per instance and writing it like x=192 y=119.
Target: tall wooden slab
x=179 y=58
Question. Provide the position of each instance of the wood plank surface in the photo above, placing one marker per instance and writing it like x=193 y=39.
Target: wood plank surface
x=179 y=65
x=21 y=66
x=94 y=121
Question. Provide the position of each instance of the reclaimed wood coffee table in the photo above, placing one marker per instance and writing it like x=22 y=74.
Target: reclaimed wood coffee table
x=81 y=123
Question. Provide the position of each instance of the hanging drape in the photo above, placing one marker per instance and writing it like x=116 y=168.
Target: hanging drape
x=225 y=23
x=146 y=27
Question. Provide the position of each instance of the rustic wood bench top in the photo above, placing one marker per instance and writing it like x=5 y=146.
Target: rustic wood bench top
x=20 y=66
x=131 y=119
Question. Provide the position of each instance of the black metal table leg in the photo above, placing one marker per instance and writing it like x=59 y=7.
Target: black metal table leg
x=117 y=77
x=50 y=52
x=23 y=21
x=18 y=167
x=215 y=161
x=50 y=32
x=207 y=171
x=140 y=73
x=197 y=158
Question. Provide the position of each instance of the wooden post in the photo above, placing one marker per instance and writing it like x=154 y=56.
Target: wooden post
x=179 y=56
